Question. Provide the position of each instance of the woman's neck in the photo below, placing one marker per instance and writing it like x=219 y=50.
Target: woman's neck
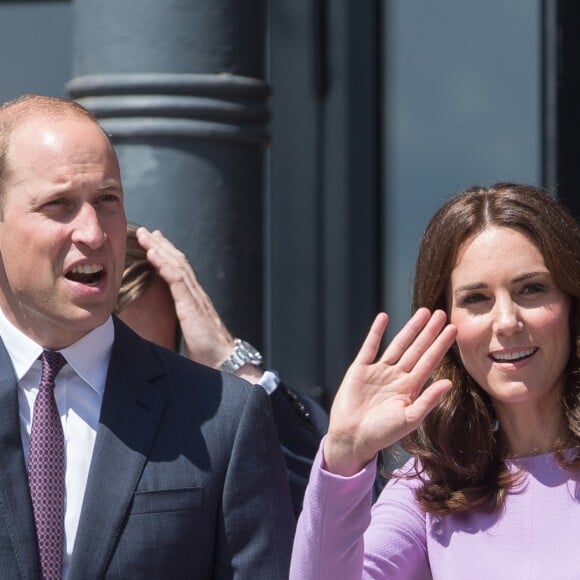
x=532 y=431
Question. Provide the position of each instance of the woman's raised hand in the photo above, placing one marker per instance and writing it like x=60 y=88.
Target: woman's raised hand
x=380 y=401
x=205 y=336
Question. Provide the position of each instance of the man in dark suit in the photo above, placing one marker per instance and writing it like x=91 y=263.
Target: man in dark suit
x=173 y=469
x=162 y=299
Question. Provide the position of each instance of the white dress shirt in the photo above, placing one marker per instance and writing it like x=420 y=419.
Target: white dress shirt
x=79 y=393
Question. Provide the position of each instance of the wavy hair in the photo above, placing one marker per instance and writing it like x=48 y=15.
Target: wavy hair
x=459 y=452
x=138 y=275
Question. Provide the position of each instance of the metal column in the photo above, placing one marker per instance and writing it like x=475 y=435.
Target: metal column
x=179 y=85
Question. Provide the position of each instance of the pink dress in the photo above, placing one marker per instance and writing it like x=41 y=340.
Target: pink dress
x=535 y=536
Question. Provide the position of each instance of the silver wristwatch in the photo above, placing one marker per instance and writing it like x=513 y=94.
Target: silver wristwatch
x=243 y=353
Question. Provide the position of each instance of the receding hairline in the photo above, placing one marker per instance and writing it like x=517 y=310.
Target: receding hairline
x=13 y=112
x=18 y=112
x=28 y=108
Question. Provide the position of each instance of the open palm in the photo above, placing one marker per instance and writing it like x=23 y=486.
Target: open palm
x=381 y=400
x=206 y=339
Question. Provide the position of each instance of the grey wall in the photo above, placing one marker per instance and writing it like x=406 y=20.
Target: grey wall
x=35 y=48
x=179 y=85
x=462 y=107
x=460 y=104
x=322 y=227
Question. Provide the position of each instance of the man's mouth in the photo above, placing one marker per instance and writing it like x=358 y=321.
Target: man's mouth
x=89 y=274
x=514 y=356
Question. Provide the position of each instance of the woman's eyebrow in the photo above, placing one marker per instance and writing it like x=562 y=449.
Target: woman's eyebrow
x=529 y=275
x=482 y=285
x=470 y=287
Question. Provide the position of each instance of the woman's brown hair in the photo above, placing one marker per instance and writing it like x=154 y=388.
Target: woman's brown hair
x=458 y=447
x=138 y=273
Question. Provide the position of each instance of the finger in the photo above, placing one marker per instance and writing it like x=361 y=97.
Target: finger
x=405 y=337
x=144 y=237
x=370 y=347
x=165 y=249
x=423 y=341
x=154 y=244
x=174 y=268
x=426 y=402
x=429 y=360
x=170 y=262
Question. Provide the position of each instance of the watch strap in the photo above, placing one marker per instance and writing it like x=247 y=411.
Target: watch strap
x=243 y=353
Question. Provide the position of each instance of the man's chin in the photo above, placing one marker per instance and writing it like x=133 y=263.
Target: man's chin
x=88 y=319
x=75 y=324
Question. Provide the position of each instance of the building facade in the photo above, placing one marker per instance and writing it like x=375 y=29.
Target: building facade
x=295 y=150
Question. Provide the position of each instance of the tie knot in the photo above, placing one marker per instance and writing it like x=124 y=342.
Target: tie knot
x=52 y=363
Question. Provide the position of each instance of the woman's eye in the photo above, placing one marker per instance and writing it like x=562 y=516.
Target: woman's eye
x=534 y=288
x=473 y=299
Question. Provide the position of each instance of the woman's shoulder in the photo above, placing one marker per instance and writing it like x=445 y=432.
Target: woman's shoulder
x=403 y=482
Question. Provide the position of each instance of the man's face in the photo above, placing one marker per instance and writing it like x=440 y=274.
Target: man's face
x=63 y=232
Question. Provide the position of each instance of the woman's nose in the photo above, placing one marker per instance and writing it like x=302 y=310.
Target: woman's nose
x=506 y=317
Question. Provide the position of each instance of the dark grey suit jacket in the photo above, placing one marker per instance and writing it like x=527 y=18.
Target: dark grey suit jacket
x=186 y=481
x=301 y=423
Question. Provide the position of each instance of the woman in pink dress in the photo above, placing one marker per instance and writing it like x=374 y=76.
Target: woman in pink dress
x=482 y=388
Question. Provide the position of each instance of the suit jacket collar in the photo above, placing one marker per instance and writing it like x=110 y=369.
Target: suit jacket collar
x=15 y=502
x=133 y=405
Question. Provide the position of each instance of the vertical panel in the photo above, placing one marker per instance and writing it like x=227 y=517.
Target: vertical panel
x=35 y=48
x=350 y=185
x=323 y=248
x=463 y=106
x=561 y=96
x=292 y=234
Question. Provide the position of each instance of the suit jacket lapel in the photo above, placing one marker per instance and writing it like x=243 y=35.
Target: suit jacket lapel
x=15 y=502
x=132 y=407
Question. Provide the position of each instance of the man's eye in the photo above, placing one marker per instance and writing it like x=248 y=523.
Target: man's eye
x=57 y=202
x=108 y=198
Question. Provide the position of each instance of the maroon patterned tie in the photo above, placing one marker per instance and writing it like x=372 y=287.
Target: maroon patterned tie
x=46 y=469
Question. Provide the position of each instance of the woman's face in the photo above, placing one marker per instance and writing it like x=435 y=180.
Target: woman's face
x=153 y=316
x=512 y=320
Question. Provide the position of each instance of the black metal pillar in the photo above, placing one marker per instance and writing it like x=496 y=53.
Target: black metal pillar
x=561 y=127
x=179 y=86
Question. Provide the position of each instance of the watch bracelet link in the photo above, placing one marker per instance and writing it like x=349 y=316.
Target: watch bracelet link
x=243 y=353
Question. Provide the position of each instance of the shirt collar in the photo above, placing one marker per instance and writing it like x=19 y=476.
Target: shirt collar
x=89 y=357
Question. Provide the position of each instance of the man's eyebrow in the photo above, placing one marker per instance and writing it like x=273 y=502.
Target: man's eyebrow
x=111 y=184
x=113 y=187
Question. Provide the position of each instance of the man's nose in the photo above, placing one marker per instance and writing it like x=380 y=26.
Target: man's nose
x=87 y=229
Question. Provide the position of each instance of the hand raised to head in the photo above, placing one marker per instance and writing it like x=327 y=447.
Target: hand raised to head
x=206 y=338
x=380 y=401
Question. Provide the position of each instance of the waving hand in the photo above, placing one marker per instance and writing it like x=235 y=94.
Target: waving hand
x=380 y=400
